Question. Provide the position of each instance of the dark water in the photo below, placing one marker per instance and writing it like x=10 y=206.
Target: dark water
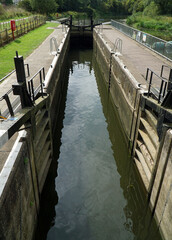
x=94 y=193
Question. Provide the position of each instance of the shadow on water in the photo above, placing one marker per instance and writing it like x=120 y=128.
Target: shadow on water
x=131 y=199
x=49 y=196
x=137 y=211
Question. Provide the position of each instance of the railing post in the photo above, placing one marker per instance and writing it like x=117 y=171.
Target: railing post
x=91 y=23
x=40 y=75
x=169 y=88
x=147 y=74
x=162 y=68
x=160 y=91
x=6 y=98
x=70 y=21
x=150 y=83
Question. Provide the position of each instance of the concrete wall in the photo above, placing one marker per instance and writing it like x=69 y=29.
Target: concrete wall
x=124 y=88
x=161 y=196
x=126 y=93
x=26 y=168
x=54 y=81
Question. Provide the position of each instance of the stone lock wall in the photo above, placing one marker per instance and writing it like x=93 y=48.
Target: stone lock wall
x=125 y=90
x=23 y=176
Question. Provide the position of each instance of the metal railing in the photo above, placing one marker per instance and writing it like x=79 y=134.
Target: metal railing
x=7 y=99
x=33 y=91
x=53 y=39
x=118 y=45
x=156 y=44
x=28 y=73
x=167 y=75
x=100 y=28
x=158 y=93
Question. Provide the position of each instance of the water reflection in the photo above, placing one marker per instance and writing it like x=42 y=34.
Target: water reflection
x=99 y=194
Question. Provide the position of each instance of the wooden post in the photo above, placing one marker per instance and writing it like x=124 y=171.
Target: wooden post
x=6 y=34
x=1 y=42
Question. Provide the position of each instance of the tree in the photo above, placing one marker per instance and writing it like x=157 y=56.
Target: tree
x=44 y=6
x=26 y=4
x=165 y=6
x=8 y=2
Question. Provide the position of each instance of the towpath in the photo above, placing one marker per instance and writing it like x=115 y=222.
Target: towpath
x=41 y=57
x=135 y=56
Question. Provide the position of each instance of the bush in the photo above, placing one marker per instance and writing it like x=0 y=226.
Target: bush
x=26 y=5
x=151 y=10
x=2 y=11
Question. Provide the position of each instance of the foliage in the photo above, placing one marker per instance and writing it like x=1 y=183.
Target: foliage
x=44 y=6
x=2 y=11
x=151 y=10
x=159 y=26
x=24 y=45
x=12 y=12
x=25 y=4
x=165 y=6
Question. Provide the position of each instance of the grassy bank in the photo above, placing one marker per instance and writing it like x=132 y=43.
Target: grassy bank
x=159 y=26
x=24 y=45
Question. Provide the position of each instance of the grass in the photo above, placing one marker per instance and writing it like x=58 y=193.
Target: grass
x=159 y=26
x=24 y=45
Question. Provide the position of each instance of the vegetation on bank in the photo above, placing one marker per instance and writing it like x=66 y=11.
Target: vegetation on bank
x=24 y=45
x=10 y=12
x=159 y=26
x=146 y=15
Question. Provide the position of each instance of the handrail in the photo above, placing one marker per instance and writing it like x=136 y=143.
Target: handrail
x=163 y=86
x=169 y=79
x=155 y=44
x=28 y=73
x=6 y=98
x=33 y=92
x=100 y=28
x=118 y=45
x=53 y=39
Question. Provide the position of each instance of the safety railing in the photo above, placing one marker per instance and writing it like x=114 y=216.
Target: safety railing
x=158 y=93
x=34 y=90
x=28 y=73
x=100 y=28
x=53 y=40
x=118 y=45
x=156 y=44
x=64 y=28
x=8 y=102
x=166 y=73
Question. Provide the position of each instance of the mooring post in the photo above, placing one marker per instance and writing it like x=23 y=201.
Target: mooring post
x=91 y=23
x=21 y=87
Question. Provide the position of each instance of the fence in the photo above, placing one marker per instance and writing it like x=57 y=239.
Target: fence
x=156 y=44
x=21 y=28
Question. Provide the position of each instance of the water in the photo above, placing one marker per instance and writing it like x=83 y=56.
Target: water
x=97 y=194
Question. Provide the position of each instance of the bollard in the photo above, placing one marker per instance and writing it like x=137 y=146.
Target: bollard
x=21 y=88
